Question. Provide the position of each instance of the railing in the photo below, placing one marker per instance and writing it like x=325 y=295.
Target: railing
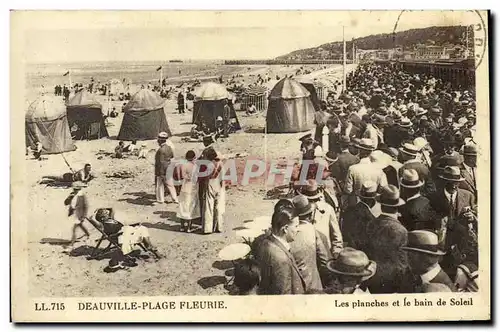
x=458 y=73
x=260 y=101
x=287 y=62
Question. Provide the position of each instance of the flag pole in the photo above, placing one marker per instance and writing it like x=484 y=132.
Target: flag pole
x=69 y=77
x=344 y=61
x=161 y=75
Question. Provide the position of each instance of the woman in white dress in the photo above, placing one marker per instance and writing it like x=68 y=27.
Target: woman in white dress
x=189 y=207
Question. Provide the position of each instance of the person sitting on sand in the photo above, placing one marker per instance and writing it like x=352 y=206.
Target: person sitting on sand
x=143 y=151
x=251 y=109
x=37 y=150
x=120 y=150
x=132 y=147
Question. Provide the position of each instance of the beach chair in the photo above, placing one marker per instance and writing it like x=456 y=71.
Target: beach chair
x=112 y=238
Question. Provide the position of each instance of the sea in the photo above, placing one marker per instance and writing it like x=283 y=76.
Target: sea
x=45 y=76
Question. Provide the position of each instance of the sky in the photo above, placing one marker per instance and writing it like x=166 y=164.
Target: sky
x=67 y=36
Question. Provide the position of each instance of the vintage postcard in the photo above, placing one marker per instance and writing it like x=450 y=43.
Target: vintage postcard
x=250 y=166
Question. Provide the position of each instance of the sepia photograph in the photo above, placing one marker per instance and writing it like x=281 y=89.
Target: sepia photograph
x=203 y=166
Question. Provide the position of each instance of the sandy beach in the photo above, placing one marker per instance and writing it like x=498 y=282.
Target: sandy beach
x=190 y=265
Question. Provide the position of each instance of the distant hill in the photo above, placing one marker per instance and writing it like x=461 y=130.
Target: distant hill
x=449 y=36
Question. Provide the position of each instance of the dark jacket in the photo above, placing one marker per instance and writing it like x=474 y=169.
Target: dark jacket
x=417 y=213
x=468 y=184
x=339 y=168
x=386 y=237
x=441 y=205
x=354 y=222
x=279 y=272
x=162 y=160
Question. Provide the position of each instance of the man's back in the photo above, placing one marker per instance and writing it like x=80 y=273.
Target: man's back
x=361 y=173
x=341 y=166
x=280 y=275
x=162 y=159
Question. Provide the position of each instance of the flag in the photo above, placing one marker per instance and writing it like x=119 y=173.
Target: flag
x=157 y=69
x=66 y=73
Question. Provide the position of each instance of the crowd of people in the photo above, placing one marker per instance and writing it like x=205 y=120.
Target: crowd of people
x=395 y=158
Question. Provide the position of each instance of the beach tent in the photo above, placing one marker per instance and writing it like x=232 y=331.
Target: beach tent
x=115 y=87
x=47 y=123
x=85 y=117
x=144 y=117
x=310 y=86
x=290 y=109
x=209 y=104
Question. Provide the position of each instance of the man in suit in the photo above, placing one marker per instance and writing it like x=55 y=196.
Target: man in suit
x=386 y=238
x=344 y=160
x=356 y=218
x=417 y=212
x=468 y=169
x=451 y=203
x=424 y=255
x=324 y=218
x=408 y=156
x=363 y=171
x=308 y=248
x=162 y=162
x=280 y=273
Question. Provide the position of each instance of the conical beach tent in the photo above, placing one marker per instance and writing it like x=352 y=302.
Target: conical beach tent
x=290 y=109
x=144 y=117
x=209 y=104
x=311 y=87
x=85 y=117
x=47 y=123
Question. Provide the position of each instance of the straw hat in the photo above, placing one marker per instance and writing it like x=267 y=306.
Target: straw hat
x=420 y=111
x=425 y=242
x=234 y=251
x=420 y=143
x=330 y=156
x=365 y=144
x=162 y=135
x=451 y=174
x=409 y=149
x=311 y=190
x=390 y=196
x=352 y=262
x=405 y=123
x=410 y=179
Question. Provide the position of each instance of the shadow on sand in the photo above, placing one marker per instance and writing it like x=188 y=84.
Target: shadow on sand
x=141 y=198
x=209 y=282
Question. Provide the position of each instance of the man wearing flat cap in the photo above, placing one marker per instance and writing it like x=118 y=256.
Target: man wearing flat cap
x=162 y=162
